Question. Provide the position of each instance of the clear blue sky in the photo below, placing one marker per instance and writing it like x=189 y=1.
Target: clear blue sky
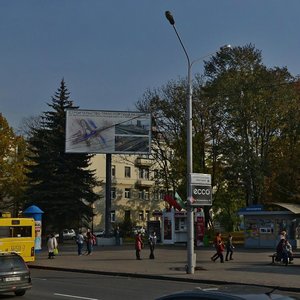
x=110 y=51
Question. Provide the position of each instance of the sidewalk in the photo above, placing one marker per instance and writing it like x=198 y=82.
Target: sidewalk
x=250 y=266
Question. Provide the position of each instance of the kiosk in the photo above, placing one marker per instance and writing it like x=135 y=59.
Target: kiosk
x=262 y=226
x=36 y=213
x=174 y=226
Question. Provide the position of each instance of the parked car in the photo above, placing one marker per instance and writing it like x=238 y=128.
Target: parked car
x=101 y=233
x=137 y=229
x=14 y=274
x=69 y=234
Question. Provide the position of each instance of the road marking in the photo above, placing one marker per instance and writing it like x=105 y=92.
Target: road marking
x=77 y=297
x=207 y=289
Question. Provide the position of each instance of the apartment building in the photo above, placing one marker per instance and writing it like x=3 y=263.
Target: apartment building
x=134 y=192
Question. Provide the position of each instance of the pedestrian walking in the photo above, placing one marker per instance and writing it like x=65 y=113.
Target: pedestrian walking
x=79 y=242
x=89 y=239
x=118 y=236
x=138 y=245
x=152 y=243
x=229 y=248
x=52 y=245
x=216 y=242
x=220 y=250
x=220 y=247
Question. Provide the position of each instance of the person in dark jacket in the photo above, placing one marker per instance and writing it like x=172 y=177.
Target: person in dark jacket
x=152 y=243
x=229 y=248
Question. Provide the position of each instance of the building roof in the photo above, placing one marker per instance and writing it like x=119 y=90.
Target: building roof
x=294 y=208
x=290 y=208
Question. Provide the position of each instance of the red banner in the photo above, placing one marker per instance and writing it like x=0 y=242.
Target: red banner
x=200 y=228
x=172 y=202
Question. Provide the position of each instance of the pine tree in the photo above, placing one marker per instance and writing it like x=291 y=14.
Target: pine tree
x=61 y=184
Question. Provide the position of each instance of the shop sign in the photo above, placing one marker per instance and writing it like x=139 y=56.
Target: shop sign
x=201 y=189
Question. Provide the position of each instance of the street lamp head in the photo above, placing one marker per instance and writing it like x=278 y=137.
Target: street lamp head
x=170 y=17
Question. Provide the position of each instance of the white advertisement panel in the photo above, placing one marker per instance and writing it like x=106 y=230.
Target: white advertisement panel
x=119 y=132
x=201 y=189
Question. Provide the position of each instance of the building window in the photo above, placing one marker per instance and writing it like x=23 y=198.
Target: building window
x=127 y=172
x=156 y=195
x=113 y=216
x=127 y=215
x=144 y=194
x=144 y=173
x=180 y=224
x=147 y=215
x=161 y=195
x=113 y=193
x=113 y=171
x=140 y=194
x=141 y=215
x=127 y=193
x=156 y=174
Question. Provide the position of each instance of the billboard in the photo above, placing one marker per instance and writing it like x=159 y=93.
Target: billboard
x=115 y=132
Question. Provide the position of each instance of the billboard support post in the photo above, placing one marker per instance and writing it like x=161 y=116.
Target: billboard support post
x=108 y=196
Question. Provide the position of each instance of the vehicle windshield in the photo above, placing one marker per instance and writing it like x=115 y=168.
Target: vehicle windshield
x=11 y=263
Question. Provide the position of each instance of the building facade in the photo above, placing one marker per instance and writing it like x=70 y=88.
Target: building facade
x=135 y=194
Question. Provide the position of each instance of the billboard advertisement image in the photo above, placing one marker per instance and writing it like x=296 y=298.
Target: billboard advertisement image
x=96 y=131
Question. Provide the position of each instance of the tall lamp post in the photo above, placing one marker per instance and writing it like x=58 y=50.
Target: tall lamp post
x=191 y=256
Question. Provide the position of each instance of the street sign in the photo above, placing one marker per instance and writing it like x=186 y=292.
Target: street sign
x=200 y=189
x=200 y=178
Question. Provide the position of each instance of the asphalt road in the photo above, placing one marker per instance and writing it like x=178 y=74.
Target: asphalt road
x=61 y=285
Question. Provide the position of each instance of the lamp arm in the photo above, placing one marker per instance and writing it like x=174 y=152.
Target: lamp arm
x=182 y=45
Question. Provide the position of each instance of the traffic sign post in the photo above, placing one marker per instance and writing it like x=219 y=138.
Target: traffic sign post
x=201 y=190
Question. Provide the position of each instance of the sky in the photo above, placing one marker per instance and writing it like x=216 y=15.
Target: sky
x=109 y=52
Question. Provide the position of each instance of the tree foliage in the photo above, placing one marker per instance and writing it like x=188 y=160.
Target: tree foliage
x=246 y=133
x=13 y=150
x=59 y=183
x=168 y=133
x=254 y=102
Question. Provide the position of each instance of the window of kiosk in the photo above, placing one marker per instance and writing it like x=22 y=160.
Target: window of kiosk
x=180 y=224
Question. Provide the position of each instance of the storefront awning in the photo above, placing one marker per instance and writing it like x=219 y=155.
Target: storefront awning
x=294 y=208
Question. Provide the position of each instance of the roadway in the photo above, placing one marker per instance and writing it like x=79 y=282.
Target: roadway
x=61 y=285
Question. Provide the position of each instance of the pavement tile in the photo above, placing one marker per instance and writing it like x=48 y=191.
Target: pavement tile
x=250 y=266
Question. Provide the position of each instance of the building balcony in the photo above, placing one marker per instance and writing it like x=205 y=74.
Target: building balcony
x=145 y=182
x=144 y=162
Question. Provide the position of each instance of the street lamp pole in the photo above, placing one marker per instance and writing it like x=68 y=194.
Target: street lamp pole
x=191 y=256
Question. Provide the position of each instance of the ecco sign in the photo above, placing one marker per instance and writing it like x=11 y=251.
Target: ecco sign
x=201 y=191
x=201 y=195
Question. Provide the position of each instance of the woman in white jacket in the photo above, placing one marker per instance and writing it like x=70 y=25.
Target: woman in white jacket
x=52 y=244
